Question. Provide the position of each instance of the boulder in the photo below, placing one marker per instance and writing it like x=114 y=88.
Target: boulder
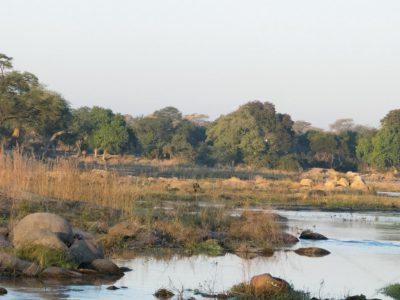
x=3 y=291
x=343 y=182
x=310 y=235
x=358 y=183
x=266 y=284
x=330 y=184
x=164 y=294
x=43 y=222
x=288 y=239
x=59 y=273
x=10 y=262
x=32 y=271
x=312 y=252
x=124 y=229
x=39 y=237
x=4 y=243
x=86 y=251
x=307 y=182
x=105 y=266
x=4 y=232
x=351 y=174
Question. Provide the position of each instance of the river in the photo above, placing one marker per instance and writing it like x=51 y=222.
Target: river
x=365 y=256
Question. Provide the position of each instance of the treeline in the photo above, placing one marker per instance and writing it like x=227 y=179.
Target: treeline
x=36 y=120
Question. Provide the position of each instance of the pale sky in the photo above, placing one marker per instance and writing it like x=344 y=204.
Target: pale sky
x=318 y=60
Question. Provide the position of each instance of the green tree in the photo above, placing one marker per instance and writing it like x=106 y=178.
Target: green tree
x=386 y=153
x=112 y=136
x=254 y=134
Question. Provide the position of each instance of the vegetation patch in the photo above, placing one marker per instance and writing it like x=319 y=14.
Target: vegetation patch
x=210 y=247
x=242 y=291
x=392 y=290
x=46 y=257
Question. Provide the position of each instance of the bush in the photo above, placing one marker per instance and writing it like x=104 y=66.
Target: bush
x=392 y=291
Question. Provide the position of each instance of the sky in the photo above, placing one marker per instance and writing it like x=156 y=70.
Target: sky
x=317 y=60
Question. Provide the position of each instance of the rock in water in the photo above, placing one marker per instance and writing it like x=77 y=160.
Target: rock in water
x=105 y=266
x=86 y=251
x=312 y=252
x=309 y=235
x=163 y=294
x=3 y=291
x=267 y=284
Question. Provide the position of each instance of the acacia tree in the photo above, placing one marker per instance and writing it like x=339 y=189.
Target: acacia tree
x=28 y=110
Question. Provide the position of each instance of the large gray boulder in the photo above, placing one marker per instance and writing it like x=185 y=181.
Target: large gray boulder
x=86 y=251
x=43 y=229
x=39 y=237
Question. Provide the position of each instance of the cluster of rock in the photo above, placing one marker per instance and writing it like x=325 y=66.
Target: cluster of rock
x=51 y=232
x=332 y=180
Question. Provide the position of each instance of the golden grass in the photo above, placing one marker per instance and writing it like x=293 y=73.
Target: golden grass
x=63 y=180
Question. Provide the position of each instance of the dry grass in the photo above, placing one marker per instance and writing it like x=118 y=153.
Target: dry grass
x=63 y=180
x=256 y=227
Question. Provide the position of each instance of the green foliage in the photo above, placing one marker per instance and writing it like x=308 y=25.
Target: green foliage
x=254 y=134
x=210 y=247
x=242 y=291
x=35 y=119
x=392 y=291
x=46 y=257
x=386 y=153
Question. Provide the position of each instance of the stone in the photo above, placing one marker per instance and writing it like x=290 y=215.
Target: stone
x=288 y=239
x=86 y=251
x=105 y=266
x=32 y=271
x=112 y=288
x=358 y=183
x=163 y=294
x=266 y=284
x=310 y=235
x=39 y=237
x=343 y=182
x=312 y=252
x=307 y=182
x=4 y=243
x=330 y=185
x=11 y=263
x=43 y=222
x=59 y=273
x=87 y=271
x=3 y=291
x=4 y=232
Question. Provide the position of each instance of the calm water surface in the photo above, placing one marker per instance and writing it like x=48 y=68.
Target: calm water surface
x=365 y=256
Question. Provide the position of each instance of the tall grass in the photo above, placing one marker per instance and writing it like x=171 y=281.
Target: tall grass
x=24 y=177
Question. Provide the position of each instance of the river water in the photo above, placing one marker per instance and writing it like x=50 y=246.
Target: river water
x=365 y=256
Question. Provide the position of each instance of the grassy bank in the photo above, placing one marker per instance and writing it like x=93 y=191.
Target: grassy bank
x=68 y=180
